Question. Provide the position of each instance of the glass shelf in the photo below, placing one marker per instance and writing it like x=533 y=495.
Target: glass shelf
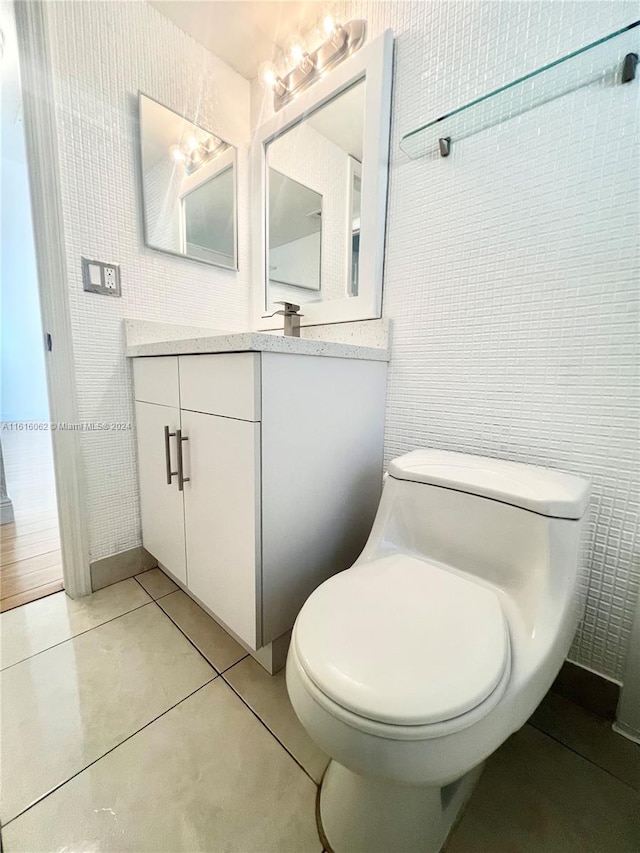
x=599 y=62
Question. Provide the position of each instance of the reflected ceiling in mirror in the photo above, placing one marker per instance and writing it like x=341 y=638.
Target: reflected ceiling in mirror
x=313 y=199
x=188 y=187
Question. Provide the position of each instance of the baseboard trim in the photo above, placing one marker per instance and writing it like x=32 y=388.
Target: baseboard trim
x=591 y=691
x=119 y=567
x=626 y=731
x=6 y=511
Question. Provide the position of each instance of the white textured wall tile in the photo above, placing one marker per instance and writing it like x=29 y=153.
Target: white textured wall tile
x=103 y=54
x=512 y=271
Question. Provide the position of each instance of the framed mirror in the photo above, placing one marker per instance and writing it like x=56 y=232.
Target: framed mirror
x=319 y=220
x=188 y=187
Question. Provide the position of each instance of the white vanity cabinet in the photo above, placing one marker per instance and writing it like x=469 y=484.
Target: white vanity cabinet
x=222 y=518
x=260 y=475
x=161 y=507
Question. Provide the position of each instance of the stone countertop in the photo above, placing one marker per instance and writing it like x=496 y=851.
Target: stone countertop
x=255 y=342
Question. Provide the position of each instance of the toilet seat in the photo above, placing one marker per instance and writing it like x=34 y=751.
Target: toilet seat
x=404 y=642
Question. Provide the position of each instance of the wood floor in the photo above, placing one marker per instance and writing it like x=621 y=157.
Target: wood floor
x=30 y=559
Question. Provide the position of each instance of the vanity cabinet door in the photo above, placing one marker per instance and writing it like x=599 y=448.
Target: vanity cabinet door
x=161 y=504
x=222 y=518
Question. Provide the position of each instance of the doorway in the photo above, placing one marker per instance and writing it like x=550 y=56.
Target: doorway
x=30 y=554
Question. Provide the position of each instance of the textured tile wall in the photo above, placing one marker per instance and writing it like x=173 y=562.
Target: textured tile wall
x=103 y=53
x=512 y=271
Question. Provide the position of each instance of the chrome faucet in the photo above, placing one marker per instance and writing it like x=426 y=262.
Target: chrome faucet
x=289 y=311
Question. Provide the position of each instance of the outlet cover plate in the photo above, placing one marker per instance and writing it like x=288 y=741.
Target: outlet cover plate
x=101 y=277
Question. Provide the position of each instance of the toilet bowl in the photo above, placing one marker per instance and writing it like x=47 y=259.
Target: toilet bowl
x=410 y=668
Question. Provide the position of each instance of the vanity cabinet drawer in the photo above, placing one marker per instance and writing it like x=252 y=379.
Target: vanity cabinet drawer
x=226 y=384
x=155 y=380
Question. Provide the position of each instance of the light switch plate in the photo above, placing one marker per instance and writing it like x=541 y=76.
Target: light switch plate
x=101 y=277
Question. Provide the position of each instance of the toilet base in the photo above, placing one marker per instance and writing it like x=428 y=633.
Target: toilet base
x=360 y=814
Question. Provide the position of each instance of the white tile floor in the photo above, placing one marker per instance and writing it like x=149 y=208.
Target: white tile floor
x=132 y=722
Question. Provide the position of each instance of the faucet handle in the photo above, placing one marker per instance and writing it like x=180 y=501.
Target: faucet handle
x=289 y=307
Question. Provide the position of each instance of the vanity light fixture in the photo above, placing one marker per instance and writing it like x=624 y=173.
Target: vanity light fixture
x=268 y=75
x=341 y=42
x=295 y=49
x=194 y=153
x=177 y=154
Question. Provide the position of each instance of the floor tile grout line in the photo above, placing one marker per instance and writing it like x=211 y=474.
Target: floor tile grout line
x=581 y=755
x=259 y=718
x=221 y=673
x=201 y=653
x=141 y=585
x=104 y=754
x=218 y=673
x=166 y=594
x=135 y=578
x=231 y=665
x=79 y=634
x=188 y=638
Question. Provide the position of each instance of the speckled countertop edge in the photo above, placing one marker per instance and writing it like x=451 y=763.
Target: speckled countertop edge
x=257 y=342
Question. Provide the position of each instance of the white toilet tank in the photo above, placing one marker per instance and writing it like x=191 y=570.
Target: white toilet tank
x=515 y=526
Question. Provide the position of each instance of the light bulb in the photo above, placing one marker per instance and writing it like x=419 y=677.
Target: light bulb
x=177 y=153
x=328 y=25
x=267 y=74
x=210 y=143
x=295 y=49
x=192 y=143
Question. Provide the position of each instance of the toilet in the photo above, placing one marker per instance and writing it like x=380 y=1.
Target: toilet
x=410 y=668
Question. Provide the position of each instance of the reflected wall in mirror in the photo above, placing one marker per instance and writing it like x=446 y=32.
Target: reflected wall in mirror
x=354 y=196
x=188 y=187
x=295 y=233
x=313 y=216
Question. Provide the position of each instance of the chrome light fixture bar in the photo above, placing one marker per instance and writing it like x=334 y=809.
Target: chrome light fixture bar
x=344 y=40
x=204 y=154
x=196 y=154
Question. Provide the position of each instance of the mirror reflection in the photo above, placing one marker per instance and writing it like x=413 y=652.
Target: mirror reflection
x=354 y=194
x=188 y=187
x=295 y=233
x=313 y=217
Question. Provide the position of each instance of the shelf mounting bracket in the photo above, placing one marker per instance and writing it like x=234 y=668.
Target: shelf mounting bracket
x=445 y=146
x=629 y=67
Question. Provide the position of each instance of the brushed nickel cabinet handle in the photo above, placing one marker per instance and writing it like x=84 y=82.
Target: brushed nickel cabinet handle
x=181 y=478
x=167 y=455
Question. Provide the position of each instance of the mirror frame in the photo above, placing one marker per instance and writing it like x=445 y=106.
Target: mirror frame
x=143 y=204
x=374 y=62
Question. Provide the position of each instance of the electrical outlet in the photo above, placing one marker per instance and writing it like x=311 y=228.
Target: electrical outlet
x=110 y=278
x=101 y=277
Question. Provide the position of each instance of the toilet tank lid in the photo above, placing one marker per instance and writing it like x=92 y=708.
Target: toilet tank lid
x=542 y=490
